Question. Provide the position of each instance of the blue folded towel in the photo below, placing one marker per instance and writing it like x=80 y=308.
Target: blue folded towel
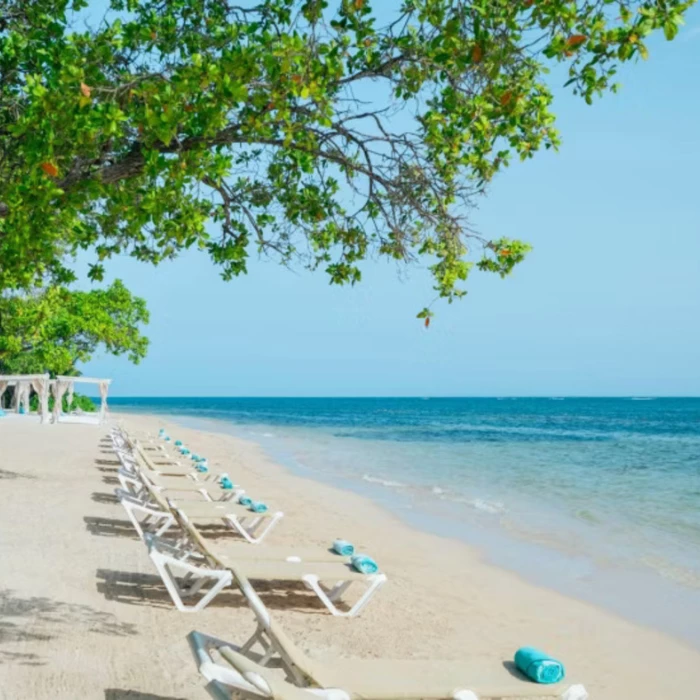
x=343 y=547
x=194 y=458
x=258 y=507
x=178 y=443
x=184 y=451
x=364 y=564
x=226 y=483
x=167 y=438
x=245 y=500
x=202 y=468
x=538 y=666
x=161 y=431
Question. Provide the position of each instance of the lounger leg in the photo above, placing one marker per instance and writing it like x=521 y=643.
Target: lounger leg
x=375 y=582
x=132 y=508
x=337 y=591
x=166 y=567
x=248 y=531
x=378 y=581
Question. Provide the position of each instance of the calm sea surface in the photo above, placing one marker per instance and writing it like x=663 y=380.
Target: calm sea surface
x=597 y=497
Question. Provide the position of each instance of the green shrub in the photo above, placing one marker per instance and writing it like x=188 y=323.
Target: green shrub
x=84 y=403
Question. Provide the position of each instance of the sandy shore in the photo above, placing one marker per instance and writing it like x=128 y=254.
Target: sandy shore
x=82 y=614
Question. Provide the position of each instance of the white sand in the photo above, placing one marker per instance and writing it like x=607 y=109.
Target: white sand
x=82 y=614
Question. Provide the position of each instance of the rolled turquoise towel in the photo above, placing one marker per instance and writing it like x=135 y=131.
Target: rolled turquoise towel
x=161 y=431
x=538 y=666
x=245 y=500
x=258 y=507
x=167 y=438
x=195 y=458
x=364 y=564
x=178 y=443
x=202 y=468
x=226 y=483
x=184 y=451
x=344 y=548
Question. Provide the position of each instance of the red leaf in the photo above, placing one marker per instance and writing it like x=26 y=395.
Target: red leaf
x=85 y=89
x=505 y=98
x=427 y=322
x=50 y=169
x=477 y=53
x=576 y=40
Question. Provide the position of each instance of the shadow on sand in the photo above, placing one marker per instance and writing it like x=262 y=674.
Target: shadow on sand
x=40 y=619
x=110 y=527
x=106 y=498
x=145 y=589
x=5 y=474
x=119 y=694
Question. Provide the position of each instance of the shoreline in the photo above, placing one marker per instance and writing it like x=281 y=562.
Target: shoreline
x=675 y=610
x=82 y=603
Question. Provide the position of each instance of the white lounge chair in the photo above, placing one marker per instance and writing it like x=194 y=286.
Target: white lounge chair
x=155 y=510
x=193 y=559
x=228 y=670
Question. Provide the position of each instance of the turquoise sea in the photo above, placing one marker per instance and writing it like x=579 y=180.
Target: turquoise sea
x=597 y=497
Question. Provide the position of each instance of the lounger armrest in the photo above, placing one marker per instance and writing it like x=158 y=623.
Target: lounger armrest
x=267 y=684
x=575 y=692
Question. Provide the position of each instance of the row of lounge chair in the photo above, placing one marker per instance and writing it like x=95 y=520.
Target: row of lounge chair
x=169 y=502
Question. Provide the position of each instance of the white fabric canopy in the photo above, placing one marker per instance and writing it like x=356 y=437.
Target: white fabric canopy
x=59 y=389
x=104 y=389
x=41 y=386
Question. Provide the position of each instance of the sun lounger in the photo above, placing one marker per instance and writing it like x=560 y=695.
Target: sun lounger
x=198 y=561
x=385 y=680
x=154 y=505
x=227 y=666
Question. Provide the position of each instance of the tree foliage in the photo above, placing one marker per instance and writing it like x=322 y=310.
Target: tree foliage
x=53 y=330
x=320 y=130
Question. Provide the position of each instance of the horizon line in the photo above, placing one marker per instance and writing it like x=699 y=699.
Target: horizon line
x=424 y=397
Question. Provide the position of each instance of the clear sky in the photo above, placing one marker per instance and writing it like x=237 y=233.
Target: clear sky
x=607 y=304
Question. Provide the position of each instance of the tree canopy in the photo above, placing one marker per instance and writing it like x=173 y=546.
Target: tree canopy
x=324 y=131
x=53 y=330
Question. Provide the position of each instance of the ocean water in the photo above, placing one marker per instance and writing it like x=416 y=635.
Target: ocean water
x=599 y=498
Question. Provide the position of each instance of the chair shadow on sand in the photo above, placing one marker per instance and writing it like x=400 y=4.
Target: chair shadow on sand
x=110 y=527
x=5 y=474
x=105 y=498
x=146 y=589
x=41 y=619
x=119 y=694
x=113 y=463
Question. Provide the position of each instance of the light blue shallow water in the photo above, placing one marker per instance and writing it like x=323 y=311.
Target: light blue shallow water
x=597 y=497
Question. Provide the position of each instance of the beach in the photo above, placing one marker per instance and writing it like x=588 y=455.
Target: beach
x=84 y=615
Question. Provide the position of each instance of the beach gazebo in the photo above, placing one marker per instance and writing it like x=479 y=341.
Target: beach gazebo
x=23 y=384
x=62 y=385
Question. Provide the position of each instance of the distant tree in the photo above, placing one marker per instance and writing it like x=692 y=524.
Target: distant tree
x=320 y=130
x=51 y=331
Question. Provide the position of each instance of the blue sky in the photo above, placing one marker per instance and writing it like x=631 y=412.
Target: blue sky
x=607 y=304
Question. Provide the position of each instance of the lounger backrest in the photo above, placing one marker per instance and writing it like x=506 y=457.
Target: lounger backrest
x=293 y=658
x=155 y=494
x=148 y=462
x=266 y=683
x=194 y=536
